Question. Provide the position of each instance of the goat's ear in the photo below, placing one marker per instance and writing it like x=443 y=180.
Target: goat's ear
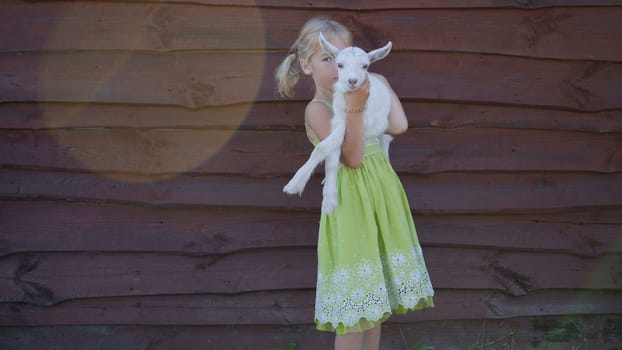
x=328 y=47
x=380 y=53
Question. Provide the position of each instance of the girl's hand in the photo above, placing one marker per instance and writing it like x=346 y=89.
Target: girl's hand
x=356 y=99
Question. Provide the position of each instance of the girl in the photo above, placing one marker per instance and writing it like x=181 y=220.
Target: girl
x=370 y=262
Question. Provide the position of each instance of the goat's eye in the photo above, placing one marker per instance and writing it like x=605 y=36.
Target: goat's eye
x=340 y=65
x=365 y=66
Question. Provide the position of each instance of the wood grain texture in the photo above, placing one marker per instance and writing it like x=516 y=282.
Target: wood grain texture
x=444 y=193
x=140 y=191
x=288 y=115
x=600 y=331
x=198 y=79
x=51 y=278
x=563 y=33
x=296 y=307
x=357 y=5
x=87 y=227
x=420 y=151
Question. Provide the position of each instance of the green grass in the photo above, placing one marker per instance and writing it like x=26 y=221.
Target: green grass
x=290 y=346
x=420 y=345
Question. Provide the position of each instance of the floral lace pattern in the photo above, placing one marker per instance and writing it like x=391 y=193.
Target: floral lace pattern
x=371 y=290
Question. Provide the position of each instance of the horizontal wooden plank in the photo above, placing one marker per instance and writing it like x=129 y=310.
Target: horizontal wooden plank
x=357 y=6
x=563 y=33
x=199 y=79
x=188 y=79
x=297 y=307
x=287 y=115
x=420 y=151
x=51 y=278
x=29 y=227
x=444 y=193
x=572 y=232
x=86 y=227
x=520 y=333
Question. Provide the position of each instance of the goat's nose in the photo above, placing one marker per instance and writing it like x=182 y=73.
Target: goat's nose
x=352 y=81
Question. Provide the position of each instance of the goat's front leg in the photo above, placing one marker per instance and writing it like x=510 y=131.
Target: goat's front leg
x=329 y=193
x=297 y=184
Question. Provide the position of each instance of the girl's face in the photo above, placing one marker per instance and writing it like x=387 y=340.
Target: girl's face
x=322 y=67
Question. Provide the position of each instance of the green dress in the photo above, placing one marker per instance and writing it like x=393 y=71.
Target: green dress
x=370 y=263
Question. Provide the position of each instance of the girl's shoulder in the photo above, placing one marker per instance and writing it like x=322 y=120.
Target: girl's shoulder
x=318 y=116
x=319 y=105
x=318 y=109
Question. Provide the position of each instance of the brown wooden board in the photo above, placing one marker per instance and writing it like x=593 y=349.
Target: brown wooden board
x=420 y=151
x=563 y=33
x=200 y=79
x=139 y=183
x=288 y=115
x=50 y=278
x=297 y=307
x=552 y=332
x=389 y=4
x=119 y=228
x=87 y=227
x=443 y=193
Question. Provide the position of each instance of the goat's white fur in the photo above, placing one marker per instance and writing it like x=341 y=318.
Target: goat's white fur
x=352 y=63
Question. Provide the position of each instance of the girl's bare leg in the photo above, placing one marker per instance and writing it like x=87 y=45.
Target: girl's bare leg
x=349 y=341
x=371 y=338
x=368 y=340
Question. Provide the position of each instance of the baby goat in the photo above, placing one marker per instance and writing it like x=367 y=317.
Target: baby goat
x=352 y=64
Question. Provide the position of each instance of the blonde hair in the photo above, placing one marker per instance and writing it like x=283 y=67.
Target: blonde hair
x=288 y=72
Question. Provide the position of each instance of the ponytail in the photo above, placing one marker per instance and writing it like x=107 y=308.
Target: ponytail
x=287 y=75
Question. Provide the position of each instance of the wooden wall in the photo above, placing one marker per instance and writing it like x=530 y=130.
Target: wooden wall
x=143 y=148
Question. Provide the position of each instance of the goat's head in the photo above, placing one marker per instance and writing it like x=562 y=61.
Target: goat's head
x=352 y=62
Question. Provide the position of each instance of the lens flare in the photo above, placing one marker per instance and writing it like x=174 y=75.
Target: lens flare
x=147 y=91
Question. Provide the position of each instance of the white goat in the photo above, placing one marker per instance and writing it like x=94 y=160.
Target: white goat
x=352 y=64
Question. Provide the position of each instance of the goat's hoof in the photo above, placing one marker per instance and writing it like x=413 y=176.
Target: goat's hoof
x=297 y=183
x=291 y=188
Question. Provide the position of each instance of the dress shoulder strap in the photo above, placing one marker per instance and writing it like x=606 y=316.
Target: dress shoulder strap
x=328 y=104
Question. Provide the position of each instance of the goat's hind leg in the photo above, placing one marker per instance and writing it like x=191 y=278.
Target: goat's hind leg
x=297 y=184
x=385 y=141
x=329 y=192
